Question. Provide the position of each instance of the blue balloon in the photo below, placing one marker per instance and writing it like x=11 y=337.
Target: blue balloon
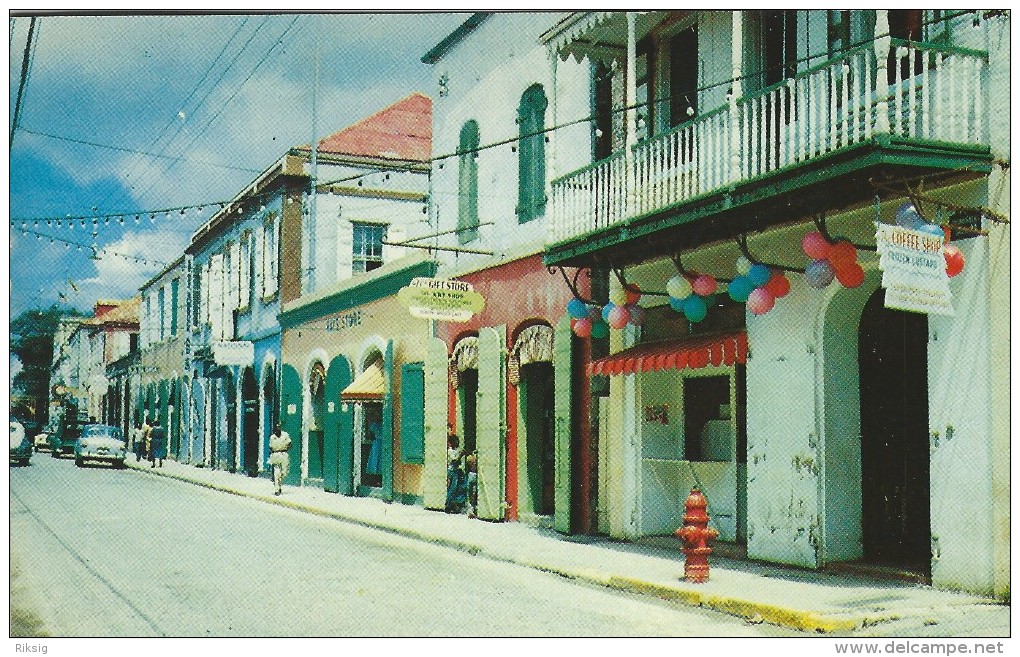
x=677 y=304
x=739 y=288
x=819 y=273
x=606 y=310
x=695 y=308
x=577 y=309
x=759 y=274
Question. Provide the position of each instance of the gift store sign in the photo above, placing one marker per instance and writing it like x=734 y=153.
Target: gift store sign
x=441 y=299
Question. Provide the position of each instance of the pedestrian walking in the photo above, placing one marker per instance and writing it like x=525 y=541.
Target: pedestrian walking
x=456 y=478
x=137 y=441
x=279 y=459
x=146 y=430
x=157 y=444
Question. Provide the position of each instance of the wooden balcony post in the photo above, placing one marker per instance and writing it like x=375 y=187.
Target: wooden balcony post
x=883 y=42
x=630 y=193
x=735 y=93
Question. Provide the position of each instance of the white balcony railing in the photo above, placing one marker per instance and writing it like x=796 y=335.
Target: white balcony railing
x=922 y=92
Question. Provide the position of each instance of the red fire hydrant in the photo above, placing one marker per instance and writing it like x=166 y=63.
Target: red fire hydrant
x=696 y=534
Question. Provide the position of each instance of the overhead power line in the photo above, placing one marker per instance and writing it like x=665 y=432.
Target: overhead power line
x=25 y=64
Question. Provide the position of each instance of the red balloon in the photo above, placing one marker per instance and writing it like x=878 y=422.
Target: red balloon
x=850 y=275
x=778 y=285
x=633 y=293
x=582 y=327
x=954 y=259
x=815 y=246
x=842 y=253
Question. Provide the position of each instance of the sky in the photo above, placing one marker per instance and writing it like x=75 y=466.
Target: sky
x=131 y=115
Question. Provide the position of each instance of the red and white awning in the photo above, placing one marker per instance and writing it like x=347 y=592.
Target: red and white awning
x=692 y=353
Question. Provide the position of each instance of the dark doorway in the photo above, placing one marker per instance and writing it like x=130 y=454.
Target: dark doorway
x=270 y=405
x=895 y=514
x=316 y=389
x=469 y=409
x=537 y=395
x=250 y=422
x=230 y=460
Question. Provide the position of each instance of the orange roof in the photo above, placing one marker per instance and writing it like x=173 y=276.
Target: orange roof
x=402 y=131
x=126 y=312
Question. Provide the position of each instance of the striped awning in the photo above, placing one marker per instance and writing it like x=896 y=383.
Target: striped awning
x=694 y=352
x=367 y=386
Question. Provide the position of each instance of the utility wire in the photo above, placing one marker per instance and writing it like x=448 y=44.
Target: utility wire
x=25 y=63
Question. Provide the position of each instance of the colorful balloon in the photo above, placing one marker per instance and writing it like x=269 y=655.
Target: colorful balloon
x=633 y=294
x=582 y=327
x=695 y=309
x=851 y=275
x=677 y=304
x=678 y=287
x=606 y=309
x=739 y=288
x=704 y=285
x=743 y=265
x=842 y=252
x=819 y=274
x=954 y=259
x=618 y=296
x=618 y=317
x=599 y=329
x=779 y=285
x=760 y=301
x=907 y=216
x=815 y=246
x=577 y=309
x=637 y=315
x=759 y=274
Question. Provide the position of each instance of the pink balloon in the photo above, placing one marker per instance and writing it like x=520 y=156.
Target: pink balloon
x=760 y=301
x=815 y=246
x=582 y=327
x=704 y=285
x=618 y=317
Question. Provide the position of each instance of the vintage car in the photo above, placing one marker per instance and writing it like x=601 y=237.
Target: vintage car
x=64 y=439
x=100 y=442
x=41 y=440
x=21 y=447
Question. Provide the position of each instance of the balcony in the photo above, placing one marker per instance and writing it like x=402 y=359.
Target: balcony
x=817 y=140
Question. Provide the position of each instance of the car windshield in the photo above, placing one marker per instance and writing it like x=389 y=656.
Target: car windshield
x=101 y=432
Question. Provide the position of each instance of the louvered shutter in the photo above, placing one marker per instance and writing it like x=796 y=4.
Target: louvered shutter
x=412 y=413
x=436 y=417
x=490 y=436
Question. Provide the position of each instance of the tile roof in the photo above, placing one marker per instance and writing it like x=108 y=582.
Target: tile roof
x=126 y=312
x=402 y=131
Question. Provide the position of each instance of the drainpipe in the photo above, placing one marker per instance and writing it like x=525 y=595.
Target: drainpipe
x=312 y=211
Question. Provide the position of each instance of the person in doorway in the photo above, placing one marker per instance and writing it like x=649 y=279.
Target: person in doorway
x=471 y=465
x=279 y=458
x=456 y=478
x=157 y=444
x=374 y=464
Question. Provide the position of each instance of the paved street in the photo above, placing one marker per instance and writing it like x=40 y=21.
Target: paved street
x=122 y=554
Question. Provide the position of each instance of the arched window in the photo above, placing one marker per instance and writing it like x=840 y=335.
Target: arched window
x=531 y=155
x=467 y=205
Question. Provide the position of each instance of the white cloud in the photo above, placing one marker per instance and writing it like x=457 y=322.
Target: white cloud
x=119 y=273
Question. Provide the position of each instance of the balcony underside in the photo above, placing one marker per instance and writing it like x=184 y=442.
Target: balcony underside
x=840 y=181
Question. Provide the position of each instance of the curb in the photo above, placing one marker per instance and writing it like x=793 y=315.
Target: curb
x=805 y=621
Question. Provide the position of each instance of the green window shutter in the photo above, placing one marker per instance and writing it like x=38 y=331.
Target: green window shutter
x=531 y=158
x=412 y=413
x=175 y=293
x=386 y=436
x=337 y=430
x=436 y=415
x=491 y=426
x=562 y=405
x=467 y=201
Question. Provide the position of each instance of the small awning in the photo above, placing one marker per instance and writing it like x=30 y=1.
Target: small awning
x=695 y=352
x=367 y=386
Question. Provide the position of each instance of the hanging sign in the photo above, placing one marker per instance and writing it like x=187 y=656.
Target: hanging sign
x=238 y=352
x=913 y=270
x=441 y=299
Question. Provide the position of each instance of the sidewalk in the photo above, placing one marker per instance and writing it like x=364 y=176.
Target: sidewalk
x=794 y=598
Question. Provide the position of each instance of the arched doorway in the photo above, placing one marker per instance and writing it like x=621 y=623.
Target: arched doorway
x=367 y=434
x=230 y=406
x=530 y=367
x=316 y=418
x=895 y=465
x=250 y=422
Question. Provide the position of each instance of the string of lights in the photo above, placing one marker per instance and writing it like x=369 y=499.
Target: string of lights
x=97 y=251
x=413 y=167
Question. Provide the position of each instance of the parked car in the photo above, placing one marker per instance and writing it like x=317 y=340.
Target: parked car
x=21 y=448
x=42 y=439
x=65 y=438
x=100 y=442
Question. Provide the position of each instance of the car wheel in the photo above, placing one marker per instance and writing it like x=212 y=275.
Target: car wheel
x=55 y=453
x=79 y=462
